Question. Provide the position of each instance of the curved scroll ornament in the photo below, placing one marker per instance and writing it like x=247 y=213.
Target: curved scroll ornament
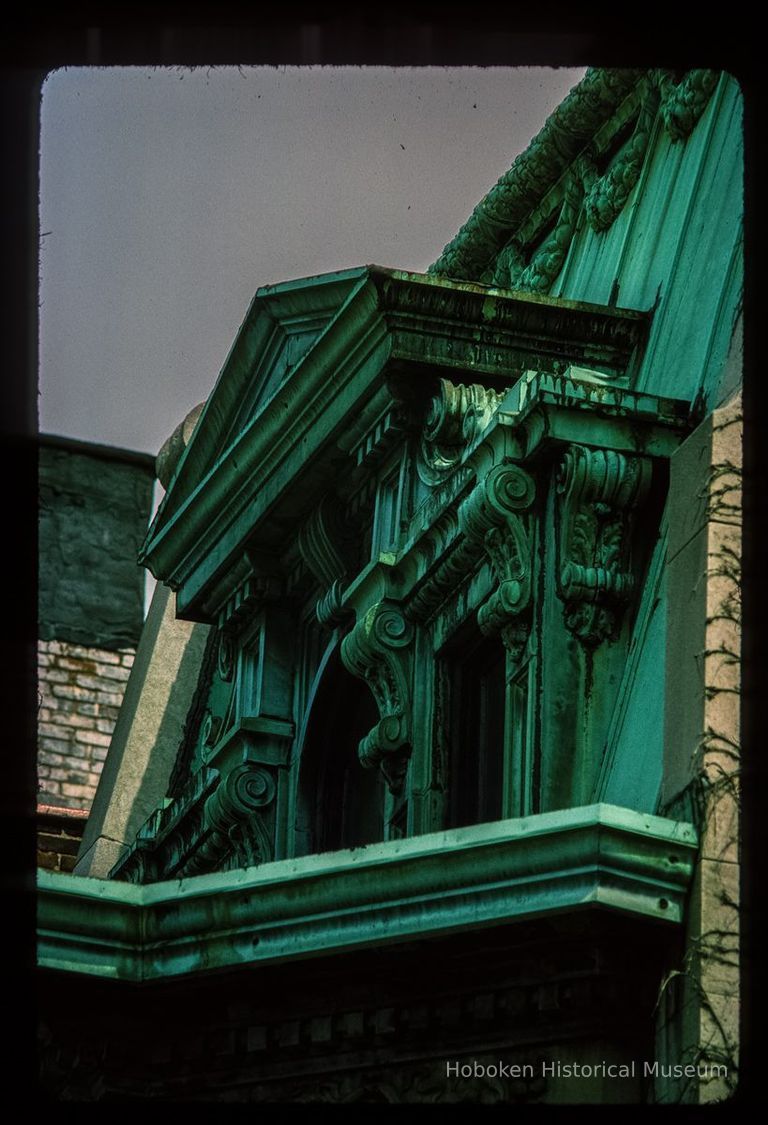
x=326 y=544
x=608 y=193
x=234 y=819
x=456 y=415
x=683 y=104
x=599 y=490
x=497 y=513
x=377 y=651
x=225 y=661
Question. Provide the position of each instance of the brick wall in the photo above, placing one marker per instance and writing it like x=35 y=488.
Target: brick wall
x=80 y=690
x=59 y=832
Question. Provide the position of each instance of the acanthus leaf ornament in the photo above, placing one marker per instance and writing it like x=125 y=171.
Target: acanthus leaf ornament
x=487 y=246
x=547 y=261
x=598 y=491
x=508 y=266
x=500 y=213
x=378 y=650
x=683 y=104
x=608 y=193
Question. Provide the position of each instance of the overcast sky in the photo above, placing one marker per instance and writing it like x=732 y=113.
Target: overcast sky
x=169 y=195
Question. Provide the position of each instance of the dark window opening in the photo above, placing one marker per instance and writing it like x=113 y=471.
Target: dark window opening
x=341 y=802
x=476 y=735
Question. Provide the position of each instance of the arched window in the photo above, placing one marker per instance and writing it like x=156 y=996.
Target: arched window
x=340 y=803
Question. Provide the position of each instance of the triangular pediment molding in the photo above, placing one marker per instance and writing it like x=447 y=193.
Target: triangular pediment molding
x=316 y=356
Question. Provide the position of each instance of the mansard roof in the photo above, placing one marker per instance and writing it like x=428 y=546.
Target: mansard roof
x=580 y=135
x=564 y=135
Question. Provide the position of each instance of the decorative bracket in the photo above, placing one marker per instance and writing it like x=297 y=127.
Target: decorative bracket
x=325 y=544
x=234 y=824
x=497 y=514
x=235 y=816
x=456 y=415
x=598 y=490
x=219 y=821
x=377 y=651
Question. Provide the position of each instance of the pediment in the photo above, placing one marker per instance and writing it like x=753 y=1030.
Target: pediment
x=280 y=327
x=318 y=362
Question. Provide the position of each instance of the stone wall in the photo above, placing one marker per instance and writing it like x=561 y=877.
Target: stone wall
x=95 y=504
x=94 y=509
x=80 y=690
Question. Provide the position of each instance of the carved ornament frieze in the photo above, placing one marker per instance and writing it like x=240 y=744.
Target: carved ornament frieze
x=444 y=579
x=678 y=105
x=598 y=491
x=607 y=194
x=547 y=261
x=520 y=190
x=684 y=102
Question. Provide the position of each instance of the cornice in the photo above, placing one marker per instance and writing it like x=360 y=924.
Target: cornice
x=389 y=323
x=538 y=418
x=597 y=857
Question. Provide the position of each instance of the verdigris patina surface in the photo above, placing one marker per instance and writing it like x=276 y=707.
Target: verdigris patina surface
x=449 y=536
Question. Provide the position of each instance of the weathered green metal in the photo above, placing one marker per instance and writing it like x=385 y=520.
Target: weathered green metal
x=578 y=134
x=245 y=769
x=357 y=464
x=573 y=123
x=445 y=530
x=270 y=432
x=599 y=857
x=643 y=221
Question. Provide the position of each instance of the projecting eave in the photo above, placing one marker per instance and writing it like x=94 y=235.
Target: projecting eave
x=306 y=374
x=600 y=858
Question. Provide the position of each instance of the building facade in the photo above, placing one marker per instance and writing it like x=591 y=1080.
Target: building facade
x=427 y=787
x=94 y=507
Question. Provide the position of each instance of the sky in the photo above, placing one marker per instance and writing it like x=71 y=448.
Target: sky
x=169 y=195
